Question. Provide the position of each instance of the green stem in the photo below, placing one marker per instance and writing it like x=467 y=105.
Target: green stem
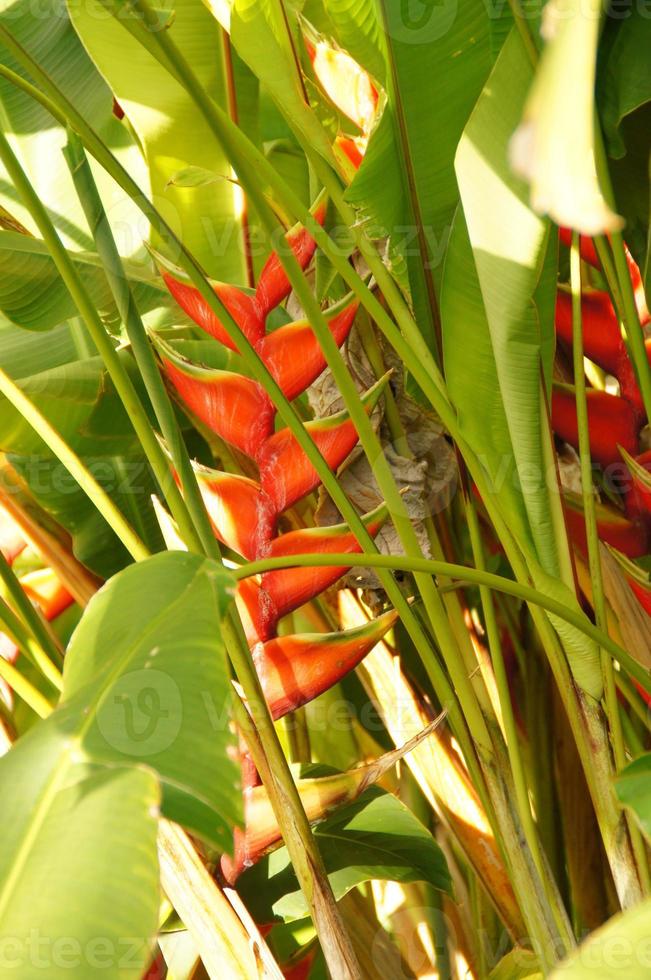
x=28 y=645
x=475 y=576
x=587 y=490
x=30 y=614
x=269 y=759
x=58 y=446
x=189 y=514
x=510 y=728
x=22 y=687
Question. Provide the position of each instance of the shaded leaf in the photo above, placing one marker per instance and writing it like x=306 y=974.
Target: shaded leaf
x=375 y=837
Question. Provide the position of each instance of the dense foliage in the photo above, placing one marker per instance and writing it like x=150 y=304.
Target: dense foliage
x=325 y=489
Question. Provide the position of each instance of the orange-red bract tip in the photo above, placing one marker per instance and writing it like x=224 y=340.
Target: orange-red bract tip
x=296 y=669
x=234 y=407
x=242 y=308
x=286 y=473
x=293 y=355
x=241 y=514
x=273 y=285
x=290 y=588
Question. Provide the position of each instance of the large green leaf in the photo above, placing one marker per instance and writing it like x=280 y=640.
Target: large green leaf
x=128 y=481
x=624 y=81
x=509 y=247
x=634 y=790
x=375 y=837
x=78 y=865
x=146 y=692
x=259 y=31
x=33 y=295
x=620 y=949
x=79 y=400
x=171 y=129
x=146 y=679
x=37 y=139
x=497 y=315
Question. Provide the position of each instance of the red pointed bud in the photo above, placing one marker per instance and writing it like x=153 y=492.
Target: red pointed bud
x=286 y=474
x=242 y=307
x=613 y=527
x=44 y=588
x=296 y=669
x=602 y=339
x=586 y=246
x=274 y=286
x=241 y=515
x=293 y=355
x=290 y=588
x=231 y=405
x=612 y=422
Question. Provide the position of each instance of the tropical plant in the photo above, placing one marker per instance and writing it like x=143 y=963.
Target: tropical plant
x=325 y=489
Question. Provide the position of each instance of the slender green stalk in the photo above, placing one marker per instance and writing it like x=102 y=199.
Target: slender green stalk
x=508 y=719
x=28 y=645
x=30 y=695
x=475 y=576
x=592 y=535
x=594 y=561
x=30 y=614
x=269 y=758
x=189 y=514
x=59 y=447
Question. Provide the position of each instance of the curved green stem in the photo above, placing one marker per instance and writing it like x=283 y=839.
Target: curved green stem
x=463 y=573
x=22 y=687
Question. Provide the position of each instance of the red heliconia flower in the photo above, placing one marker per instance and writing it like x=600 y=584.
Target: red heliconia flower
x=245 y=513
x=236 y=408
x=602 y=338
x=242 y=516
x=242 y=308
x=612 y=422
